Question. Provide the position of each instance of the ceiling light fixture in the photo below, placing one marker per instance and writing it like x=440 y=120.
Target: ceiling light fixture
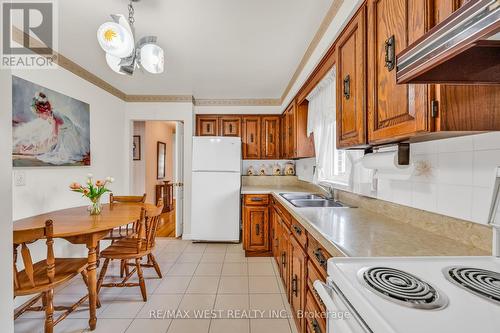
x=123 y=55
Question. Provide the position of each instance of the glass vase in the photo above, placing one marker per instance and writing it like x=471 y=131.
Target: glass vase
x=95 y=207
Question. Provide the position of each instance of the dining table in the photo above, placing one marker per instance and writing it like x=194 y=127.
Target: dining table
x=77 y=226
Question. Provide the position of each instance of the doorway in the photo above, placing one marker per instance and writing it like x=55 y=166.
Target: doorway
x=155 y=170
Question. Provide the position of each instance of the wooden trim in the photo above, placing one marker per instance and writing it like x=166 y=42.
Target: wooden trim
x=238 y=102
x=330 y=14
x=159 y=98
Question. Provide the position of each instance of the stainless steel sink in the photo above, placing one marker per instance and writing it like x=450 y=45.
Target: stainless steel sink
x=316 y=203
x=311 y=200
x=301 y=196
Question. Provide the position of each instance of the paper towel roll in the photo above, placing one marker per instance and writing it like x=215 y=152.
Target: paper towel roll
x=386 y=165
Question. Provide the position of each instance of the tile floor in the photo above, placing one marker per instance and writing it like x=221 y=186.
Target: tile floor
x=208 y=287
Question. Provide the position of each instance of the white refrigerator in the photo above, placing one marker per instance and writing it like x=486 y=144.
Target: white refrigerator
x=215 y=204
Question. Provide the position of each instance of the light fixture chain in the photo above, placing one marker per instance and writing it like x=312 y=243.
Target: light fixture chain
x=131 y=19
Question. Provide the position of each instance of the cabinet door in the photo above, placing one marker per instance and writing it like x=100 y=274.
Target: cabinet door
x=256 y=228
x=207 y=125
x=251 y=137
x=351 y=108
x=290 y=131
x=284 y=135
x=270 y=137
x=303 y=143
x=275 y=235
x=394 y=111
x=285 y=257
x=230 y=126
x=464 y=107
x=298 y=281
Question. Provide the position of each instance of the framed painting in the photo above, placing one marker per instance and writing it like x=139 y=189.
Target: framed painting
x=161 y=158
x=48 y=128
x=136 y=148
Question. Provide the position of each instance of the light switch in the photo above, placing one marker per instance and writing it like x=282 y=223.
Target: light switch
x=20 y=178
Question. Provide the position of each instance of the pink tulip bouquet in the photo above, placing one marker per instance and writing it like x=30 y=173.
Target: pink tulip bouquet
x=93 y=191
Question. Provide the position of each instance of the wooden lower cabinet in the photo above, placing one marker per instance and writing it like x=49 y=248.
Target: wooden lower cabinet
x=298 y=280
x=315 y=317
x=284 y=250
x=256 y=240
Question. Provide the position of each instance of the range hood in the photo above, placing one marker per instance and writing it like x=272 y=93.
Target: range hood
x=463 y=49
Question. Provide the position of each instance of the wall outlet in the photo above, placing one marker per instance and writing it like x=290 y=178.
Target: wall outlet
x=20 y=178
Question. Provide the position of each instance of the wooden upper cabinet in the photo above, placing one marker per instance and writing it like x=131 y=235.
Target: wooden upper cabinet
x=207 y=125
x=394 y=111
x=290 y=131
x=251 y=137
x=270 y=137
x=351 y=88
x=464 y=107
x=304 y=144
x=230 y=126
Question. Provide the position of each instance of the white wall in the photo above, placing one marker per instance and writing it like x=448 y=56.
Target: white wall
x=139 y=167
x=459 y=183
x=47 y=187
x=6 y=310
x=165 y=111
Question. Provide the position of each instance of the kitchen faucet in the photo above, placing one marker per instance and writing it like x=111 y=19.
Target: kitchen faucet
x=329 y=189
x=494 y=215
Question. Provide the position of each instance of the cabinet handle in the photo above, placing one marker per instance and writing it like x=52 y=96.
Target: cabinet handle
x=208 y=128
x=283 y=259
x=297 y=229
x=270 y=138
x=315 y=326
x=256 y=199
x=231 y=128
x=320 y=258
x=251 y=138
x=347 y=86
x=294 y=285
x=257 y=229
x=390 y=53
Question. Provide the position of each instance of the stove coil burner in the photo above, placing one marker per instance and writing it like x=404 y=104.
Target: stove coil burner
x=402 y=288
x=481 y=282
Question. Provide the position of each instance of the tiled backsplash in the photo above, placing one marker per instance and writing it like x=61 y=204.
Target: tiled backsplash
x=267 y=163
x=458 y=182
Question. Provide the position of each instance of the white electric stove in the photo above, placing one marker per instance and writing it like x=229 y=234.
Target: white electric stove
x=410 y=295
x=416 y=294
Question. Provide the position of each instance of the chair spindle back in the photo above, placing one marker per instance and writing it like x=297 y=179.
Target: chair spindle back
x=28 y=236
x=148 y=226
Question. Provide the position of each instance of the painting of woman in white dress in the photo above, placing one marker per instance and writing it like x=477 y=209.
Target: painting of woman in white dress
x=49 y=128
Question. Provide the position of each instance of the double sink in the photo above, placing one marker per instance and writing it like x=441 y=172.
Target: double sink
x=311 y=200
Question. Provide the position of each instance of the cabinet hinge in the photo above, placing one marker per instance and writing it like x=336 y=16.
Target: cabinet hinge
x=434 y=108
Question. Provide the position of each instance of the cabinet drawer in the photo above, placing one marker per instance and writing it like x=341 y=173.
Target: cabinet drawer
x=299 y=232
x=256 y=199
x=317 y=254
x=315 y=317
x=283 y=213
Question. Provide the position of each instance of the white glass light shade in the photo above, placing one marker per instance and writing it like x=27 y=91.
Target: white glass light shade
x=114 y=63
x=115 y=39
x=152 y=58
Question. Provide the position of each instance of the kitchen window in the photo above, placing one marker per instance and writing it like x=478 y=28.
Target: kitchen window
x=332 y=165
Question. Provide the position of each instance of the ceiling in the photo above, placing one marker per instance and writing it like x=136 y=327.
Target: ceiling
x=214 y=49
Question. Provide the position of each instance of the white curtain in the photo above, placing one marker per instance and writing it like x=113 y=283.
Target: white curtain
x=321 y=122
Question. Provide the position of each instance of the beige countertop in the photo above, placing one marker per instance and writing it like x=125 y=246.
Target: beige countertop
x=358 y=232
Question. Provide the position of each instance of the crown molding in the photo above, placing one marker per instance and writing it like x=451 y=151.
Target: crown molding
x=327 y=20
x=238 y=102
x=159 y=98
x=18 y=36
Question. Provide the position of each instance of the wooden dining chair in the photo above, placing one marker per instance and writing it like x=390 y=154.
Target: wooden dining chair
x=129 y=229
x=136 y=248
x=42 y=277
